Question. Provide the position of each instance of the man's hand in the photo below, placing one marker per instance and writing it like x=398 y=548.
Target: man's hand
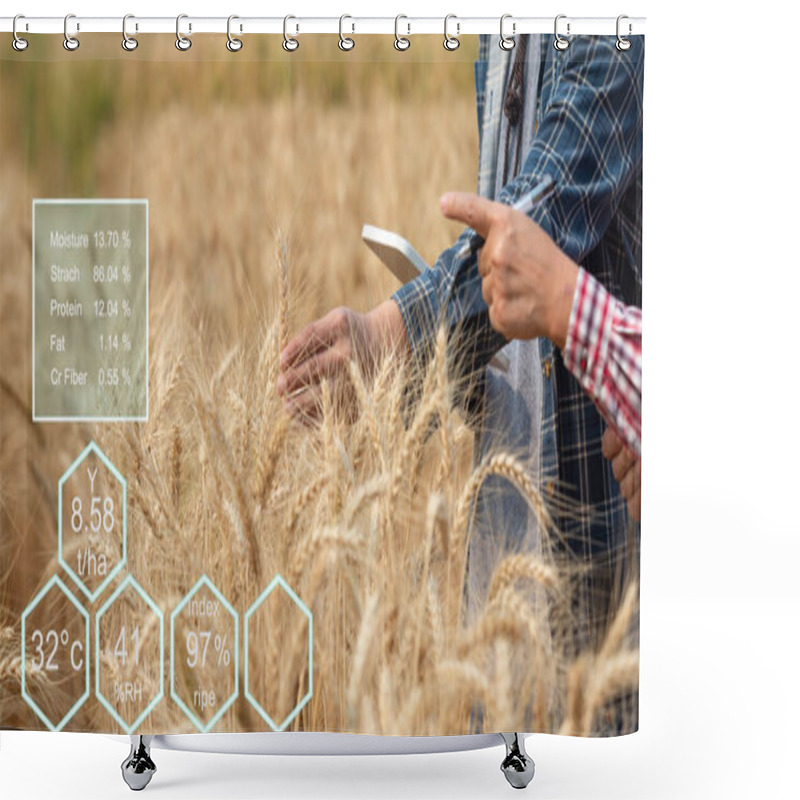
x=528 y=282
x=627 y=470
x=324 y=349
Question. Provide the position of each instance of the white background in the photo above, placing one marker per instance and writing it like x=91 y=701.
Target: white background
x=720 y=601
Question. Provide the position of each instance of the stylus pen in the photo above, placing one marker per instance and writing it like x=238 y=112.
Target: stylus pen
x=525 y=204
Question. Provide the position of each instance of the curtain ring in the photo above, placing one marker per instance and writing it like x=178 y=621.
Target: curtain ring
x=507 y=42
x=71 y=43
x=290 y=43
x=19 y=44
x=182 y=42
x=233 y=44
x=400 y=42
x=560 y=43
x=129 y=43
x=623 y=44
x=451 y=42
x=345 y=42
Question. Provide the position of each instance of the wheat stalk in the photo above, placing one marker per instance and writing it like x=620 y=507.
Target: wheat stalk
x=283 y=262
x=519 y=566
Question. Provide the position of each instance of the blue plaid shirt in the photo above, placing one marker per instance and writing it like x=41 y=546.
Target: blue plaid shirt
x=589 y=138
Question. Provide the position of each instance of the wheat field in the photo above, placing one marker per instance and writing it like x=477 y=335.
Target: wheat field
x=256 y=208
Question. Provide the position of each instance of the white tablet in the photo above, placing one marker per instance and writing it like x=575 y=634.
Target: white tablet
x=405 y=263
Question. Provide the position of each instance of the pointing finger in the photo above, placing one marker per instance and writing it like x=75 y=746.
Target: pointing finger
x=475 y=211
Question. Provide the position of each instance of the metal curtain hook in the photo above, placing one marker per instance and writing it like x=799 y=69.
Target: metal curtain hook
x=233 y=44
x=70 y=42
x=400 y=42
x=129 y=43
x=346 y=42
x=623 y=43
x=182 y=42
x=290 y=43
x=560 y=43
x=451 y=42
x=18 y=43
x=507 y=42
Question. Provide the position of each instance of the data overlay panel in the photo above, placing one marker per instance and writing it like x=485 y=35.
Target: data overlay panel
x=90 y=306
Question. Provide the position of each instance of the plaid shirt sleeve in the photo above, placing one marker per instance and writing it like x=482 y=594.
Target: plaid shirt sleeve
x=588 y=139
x=450 y=294
x=604 y=352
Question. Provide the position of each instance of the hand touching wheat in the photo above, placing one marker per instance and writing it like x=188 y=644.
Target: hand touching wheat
x=325 y=348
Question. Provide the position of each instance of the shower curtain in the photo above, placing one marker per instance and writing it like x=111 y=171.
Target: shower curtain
x=271 y=460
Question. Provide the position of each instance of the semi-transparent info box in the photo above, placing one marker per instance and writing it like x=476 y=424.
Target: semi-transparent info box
x=90 y=309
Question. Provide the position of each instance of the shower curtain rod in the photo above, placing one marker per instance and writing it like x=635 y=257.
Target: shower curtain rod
x=298 y=25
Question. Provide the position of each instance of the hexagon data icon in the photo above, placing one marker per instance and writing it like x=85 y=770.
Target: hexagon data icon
x=55 y=654
x=129 y=655
x=204 y=655
x=92 y=521
x=277 y=623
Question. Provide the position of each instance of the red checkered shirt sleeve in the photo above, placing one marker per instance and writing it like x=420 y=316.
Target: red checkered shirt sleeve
x=604 y=352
